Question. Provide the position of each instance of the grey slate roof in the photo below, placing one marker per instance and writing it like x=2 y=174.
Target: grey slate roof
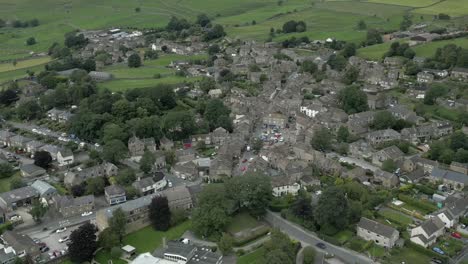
x=114 y=190
x=43 y=187
x=31 y=169
x=18 y=195
x=450 y=175
x=432 y=225
x=376 y=227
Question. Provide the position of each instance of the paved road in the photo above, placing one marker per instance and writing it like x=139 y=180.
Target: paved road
x=310 y=238
x=360 y=163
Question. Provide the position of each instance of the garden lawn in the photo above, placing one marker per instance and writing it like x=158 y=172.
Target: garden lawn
x=254 y=257
x=104 y=256
x=242 y=221
x=344 y=236
x=147 y=239
x=376 y=251
x=394 y=216
x=407 y=255
x=450 y=245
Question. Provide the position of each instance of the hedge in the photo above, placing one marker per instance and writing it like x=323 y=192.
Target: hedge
x=426 y=207
x=6 y=226
x=260 y=232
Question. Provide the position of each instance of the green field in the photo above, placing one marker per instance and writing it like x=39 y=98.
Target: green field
x=21 y=64
x=407 y=255
x=411 y=3
x=242 y=221
x=255 y=257
x=451 y=7
x=147 y=239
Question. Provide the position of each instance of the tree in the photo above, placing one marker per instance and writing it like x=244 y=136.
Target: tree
x=434 y=92
x=113 y=131
x=458 y=140
x=309 y=255
x=95 y=185
x=213 y=49
x=83 y=243
x=134 y=61
x=203 y=20
x=279 y=249
x=16 y=183
x=30 y=41
x=151 y=55
x=118 y=222
x=361 y=25
x=351 y=75
x=353 y=100
x=309 y=66
x=225 y=244
x=8 y=96
x=257 y=145
x=389 y=166
x=38 y=210
x=383 y=120
x=78 y=190
x=114 y=151
x=337 y=62
x=214 y=33
x=302 y=207
x=332 y=210
x=6 y=170
x=406 y=22
x=217 y=115
x=343 y=134
x=42 y=159
x=29 y=110
x=212 y=213
x=159 y=213
x=349 y=50
x=321 y=140
x=125 y=177
x=137 y=9
x=147 y=161
x=373 y=37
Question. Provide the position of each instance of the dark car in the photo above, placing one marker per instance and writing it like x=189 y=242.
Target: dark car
x=321 y=245
x=436 y=261
x=44 y=249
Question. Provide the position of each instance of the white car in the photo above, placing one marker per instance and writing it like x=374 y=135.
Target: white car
x=86 y=213
x=61 y=230
x=64 y=239
x=169 y=184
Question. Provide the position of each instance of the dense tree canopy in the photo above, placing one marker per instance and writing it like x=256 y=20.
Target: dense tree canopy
x=353 y=100
x=159 y=213
x=83 y=243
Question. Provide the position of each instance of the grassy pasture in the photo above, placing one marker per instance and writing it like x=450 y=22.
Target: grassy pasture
x=126 y=84
x=453 y=8
x=8 y=66
x=410 y=3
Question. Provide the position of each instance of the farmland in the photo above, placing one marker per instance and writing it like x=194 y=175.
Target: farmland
x=241 y=18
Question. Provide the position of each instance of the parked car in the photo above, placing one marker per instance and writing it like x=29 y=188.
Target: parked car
x=86 y=213
x=44 y=249
x=456 y=235
x=436 y=261
x=438 y=250
x=321 y=245
x=64 y=239
x=244 y=160
x=61 y=230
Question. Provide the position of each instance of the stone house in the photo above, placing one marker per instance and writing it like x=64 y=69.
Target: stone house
x=20 y=197
x=380 y=136
x=383 y=235
x=427 y=233
x=185 y=170
x=283 y=185
x=33 y=146
x=65 y=157
x=452 y=211
x=137 y=146
x=69 y=206
x=23 y=245
x=149 y=185
x=5 y=136
x=388 y=153
x=460 y=73
x=219 y=136
x=402 y=112
x=31 y=171
x=115 y=194
x=454 y=180
x=424 y=77
x=459 y=167
x=360 y=148
x=275 y=120
x=19 y=142
x=386 y=179
x=79 y=175
x=166 y=144
x=221 y=166
x=44 y=189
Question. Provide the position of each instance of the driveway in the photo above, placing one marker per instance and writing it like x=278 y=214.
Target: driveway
x=307 y=237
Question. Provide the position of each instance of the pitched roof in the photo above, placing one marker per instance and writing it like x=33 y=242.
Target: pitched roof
x=16 y=195
x=43 y=187
x=114 y=190
x=450 y=175
x=376 y=227
x=432 y=225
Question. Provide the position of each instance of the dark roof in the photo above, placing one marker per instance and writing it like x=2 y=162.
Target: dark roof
x=450 y=175
x=143 y=183
x=376 y=227
x=19 y=194
x=68 y=201
x=114 y=190
x=180 y=249
x=432 y=225
x=31 y=169
x=157 y=176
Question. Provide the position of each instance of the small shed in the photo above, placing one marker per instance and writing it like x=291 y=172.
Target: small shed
x=128 y=251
